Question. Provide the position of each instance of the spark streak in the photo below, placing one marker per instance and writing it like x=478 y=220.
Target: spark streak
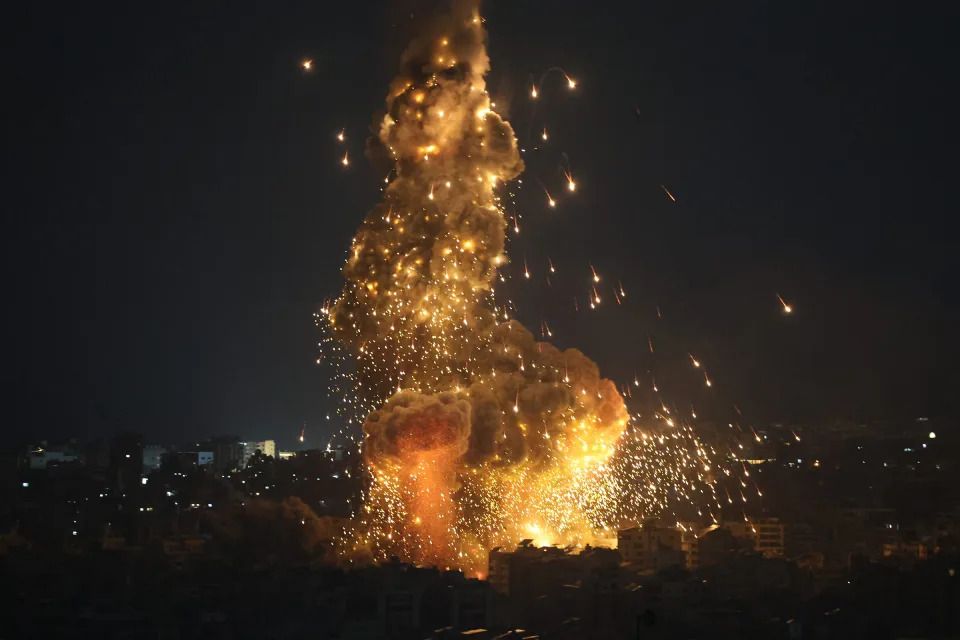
x=786 y=308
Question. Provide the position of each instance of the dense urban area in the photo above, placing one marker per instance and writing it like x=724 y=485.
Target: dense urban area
x=856 y=536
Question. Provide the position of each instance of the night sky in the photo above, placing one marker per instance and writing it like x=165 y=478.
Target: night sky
x=176 y=210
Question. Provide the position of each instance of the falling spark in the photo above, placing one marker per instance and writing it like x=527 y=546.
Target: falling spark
x=547 y=328
x=550 y=199
x=786 y=308
x=307 y=65
x=667 y=191
x=533 y=92
x=695 y=362
x=342 y=136
x=346 y=159
x=544 y=134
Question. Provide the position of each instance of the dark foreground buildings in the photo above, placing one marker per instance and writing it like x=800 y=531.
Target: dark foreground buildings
x=863 y=544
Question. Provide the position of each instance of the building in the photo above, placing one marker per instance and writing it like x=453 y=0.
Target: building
x=690 y=545
x=640 y=546
x=153 y=457
x=763 y=535
x=530 y=569
x=266 y=447
x=716 y=544
x=500 y=566
x=536 y=585
x=40 y=457
x=186 y=460
x=228 y=453
x=769 y=537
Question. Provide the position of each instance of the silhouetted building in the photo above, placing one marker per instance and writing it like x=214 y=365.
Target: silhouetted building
x=640 y=546
x=186 y=460
x=228 y=453
x=529 y=569
x=717 y=544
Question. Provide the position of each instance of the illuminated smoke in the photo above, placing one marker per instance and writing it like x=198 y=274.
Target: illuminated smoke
x=476 y=434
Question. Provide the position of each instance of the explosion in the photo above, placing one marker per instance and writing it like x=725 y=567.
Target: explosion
x=476 y=434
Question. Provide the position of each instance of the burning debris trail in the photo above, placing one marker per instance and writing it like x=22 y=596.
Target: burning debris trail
x=476 y=435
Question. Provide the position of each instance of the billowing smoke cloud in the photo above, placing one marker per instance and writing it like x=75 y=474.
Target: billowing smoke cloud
x=536 y=401
x=417 y=299
x=462 y=409
x=412 y=423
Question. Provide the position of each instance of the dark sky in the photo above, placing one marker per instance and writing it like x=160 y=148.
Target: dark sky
x=176 y=210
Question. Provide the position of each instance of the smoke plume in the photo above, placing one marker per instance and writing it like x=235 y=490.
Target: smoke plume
x=476 y=433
